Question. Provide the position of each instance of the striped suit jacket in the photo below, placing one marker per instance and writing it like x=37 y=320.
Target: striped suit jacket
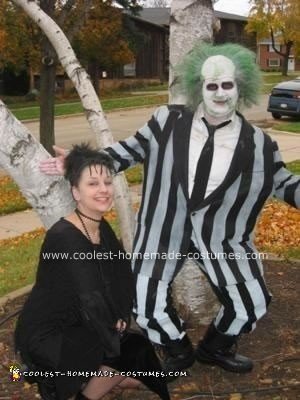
x=223 y=222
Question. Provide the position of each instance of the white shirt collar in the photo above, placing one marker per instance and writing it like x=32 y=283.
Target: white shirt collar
x=199 y=114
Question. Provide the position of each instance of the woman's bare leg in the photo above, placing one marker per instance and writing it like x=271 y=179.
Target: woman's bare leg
x=97 y=387
x=129 y=383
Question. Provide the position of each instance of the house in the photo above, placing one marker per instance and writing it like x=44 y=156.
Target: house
x=233 y=30
x=269 y=60
x=152 y=61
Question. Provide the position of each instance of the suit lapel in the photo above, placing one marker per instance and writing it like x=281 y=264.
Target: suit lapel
x=181 y=142
x=240 y=161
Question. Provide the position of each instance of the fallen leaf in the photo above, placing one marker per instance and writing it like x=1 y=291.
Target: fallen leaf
x=267 y=381
x=26 y=386
x=235 y=396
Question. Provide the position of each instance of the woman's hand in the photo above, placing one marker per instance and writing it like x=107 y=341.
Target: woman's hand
x=54 y=165
x=121 y=325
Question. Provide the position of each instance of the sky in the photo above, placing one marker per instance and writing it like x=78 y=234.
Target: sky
x=239 y=7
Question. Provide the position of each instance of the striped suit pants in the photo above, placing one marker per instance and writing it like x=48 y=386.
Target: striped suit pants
x=242 y=305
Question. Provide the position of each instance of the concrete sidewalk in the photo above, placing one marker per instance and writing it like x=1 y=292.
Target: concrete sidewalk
x=16 y=224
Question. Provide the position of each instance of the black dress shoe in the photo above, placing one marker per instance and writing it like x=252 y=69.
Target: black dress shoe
x=216 y=348
x=177 y=356
x=228 y=360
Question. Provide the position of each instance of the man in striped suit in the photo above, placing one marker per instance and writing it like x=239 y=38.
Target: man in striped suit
x=207 y=175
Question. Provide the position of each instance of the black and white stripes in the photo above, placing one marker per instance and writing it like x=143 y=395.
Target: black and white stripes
x=222 y=223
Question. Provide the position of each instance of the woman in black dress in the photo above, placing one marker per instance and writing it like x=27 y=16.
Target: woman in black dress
x=74 y=323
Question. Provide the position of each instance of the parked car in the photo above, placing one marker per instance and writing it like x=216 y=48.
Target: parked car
x=285 y=99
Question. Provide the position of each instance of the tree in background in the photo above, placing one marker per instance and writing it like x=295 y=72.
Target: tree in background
x=280 y=20
x=71 y=15
x=19 y=41
x=20 y=152
x=101 y=44
x=23 y=45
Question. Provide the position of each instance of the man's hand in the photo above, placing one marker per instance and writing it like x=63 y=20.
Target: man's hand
x=54 y=165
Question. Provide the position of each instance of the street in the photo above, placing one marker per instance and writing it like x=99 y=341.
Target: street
x=74 y=129
x=123 y=123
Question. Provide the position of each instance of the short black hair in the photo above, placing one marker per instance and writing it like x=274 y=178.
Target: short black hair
x=81 y=156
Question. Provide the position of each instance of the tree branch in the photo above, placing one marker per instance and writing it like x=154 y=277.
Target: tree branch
x=64 y=12
x=79 y=20
x=273 y=43
x=90 y=101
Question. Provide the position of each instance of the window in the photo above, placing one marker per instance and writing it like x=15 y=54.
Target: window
x=271 y=50
x=274 y=62
x=129 y=69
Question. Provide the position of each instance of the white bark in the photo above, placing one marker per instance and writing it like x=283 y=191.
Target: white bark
x=191 y=21
x=93 y=111
x=157 y=3
x=20 y=154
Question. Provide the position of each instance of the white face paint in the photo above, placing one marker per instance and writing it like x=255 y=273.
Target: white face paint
x=220 y=92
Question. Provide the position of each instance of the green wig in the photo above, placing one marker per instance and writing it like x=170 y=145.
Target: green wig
x=248 y=75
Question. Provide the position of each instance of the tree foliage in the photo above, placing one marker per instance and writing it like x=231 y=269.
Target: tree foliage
x=102 y=39
x=19 y=39
x=25 y=47
x=280 y=20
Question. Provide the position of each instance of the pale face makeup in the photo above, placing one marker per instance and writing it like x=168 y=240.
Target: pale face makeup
x=219 y=91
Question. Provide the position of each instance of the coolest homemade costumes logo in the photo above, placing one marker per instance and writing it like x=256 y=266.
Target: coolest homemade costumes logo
x=15 y=373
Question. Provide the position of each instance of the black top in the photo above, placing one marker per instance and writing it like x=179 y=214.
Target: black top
x=78 y=285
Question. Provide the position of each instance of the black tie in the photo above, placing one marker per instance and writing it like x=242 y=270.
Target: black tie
x=204 y=165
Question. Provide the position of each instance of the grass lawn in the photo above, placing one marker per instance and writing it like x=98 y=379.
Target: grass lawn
x=18 y=260
x=70 y=108
x=19 y=257
x=294 y=166
x=151 y=88
x=11 y=199
x=271 y=79
x=293 y=126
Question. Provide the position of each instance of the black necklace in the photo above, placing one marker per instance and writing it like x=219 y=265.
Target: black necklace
x=86 y=216
x=83 y=224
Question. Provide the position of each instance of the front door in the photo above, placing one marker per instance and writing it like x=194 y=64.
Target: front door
x=291 y=64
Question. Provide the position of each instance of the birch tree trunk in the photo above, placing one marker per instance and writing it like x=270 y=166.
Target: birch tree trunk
x=191 y=21
x=48 y=69
x=20 y=154
x=31 y=80
x=20 y=142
